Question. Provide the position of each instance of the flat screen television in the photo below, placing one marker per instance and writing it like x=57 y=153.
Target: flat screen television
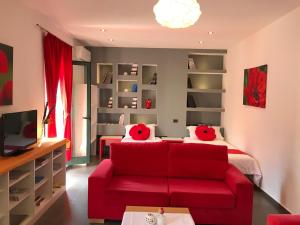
x=18 y=131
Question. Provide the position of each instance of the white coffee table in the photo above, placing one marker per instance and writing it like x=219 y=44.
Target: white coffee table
x=135 y=215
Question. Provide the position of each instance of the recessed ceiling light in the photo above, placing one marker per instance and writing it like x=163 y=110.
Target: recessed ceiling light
x=102 y=30
x=111 y=40
x=211 y=32
x=200 y=42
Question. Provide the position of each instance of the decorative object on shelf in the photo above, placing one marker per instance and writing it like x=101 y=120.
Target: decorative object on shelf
x=191 y=64
x=125 y=90
x=161 y=219
x=134 y=103
x=125 y=73
x=134 y=69
x=191 y=101
x=148 y=103
x=45 y=119
x=189 y=83
x=150 y=219
x=154 y=79
x=6 y=75
x=134 y=88
x=255 y=86
x=108 y=78
x=121 y=119
x=205 y=133
x=125 y=106
x=110 y=102
x=177 y=14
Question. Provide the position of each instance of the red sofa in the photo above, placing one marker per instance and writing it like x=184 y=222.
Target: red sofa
x=195 y=176
x=283 y=219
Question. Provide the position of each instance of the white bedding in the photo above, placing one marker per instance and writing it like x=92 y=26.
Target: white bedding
x=245 y=163
x=156 y=139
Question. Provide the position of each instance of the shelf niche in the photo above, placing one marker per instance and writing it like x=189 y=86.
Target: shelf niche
x=122 y=85
x=206 y=100
x=205 y=81
x=127 y=69
x=105 y=73
x=123 y=101
x=105 y=94
x=209 y=118
x=109 y=118
x=143 y=118
x=149 y=94
x=148 y=72
x=207 y=63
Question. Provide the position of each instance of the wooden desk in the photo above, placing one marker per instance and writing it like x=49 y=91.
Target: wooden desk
x=38 y=178
x=106 y=141
x=172 y=139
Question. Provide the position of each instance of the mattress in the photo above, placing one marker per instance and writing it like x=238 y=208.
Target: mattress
x=130 y=140
x=244 y=162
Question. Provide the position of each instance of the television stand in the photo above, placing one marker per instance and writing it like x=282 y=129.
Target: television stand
x=31 y=182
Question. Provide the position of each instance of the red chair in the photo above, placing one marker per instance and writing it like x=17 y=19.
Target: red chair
x=283 y=219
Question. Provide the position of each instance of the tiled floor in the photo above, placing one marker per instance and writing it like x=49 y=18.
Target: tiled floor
x=71 y=209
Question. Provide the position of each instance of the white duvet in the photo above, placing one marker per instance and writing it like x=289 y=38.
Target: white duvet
x=127 y=139
x=245 y=163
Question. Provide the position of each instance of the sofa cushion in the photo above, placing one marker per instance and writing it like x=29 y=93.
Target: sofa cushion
x=138 y=190
x=149 y=159
x=195 y=193
x=198 y=161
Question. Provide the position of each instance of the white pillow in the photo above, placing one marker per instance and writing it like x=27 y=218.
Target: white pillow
x=150 y=126
x=218 y=133
x=193 y=135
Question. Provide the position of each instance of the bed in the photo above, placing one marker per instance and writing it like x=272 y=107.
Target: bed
x=243 y=161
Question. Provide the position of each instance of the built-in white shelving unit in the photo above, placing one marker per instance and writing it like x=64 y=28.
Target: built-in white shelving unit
x=30 y=185
x=120 y=85
x=205 y=88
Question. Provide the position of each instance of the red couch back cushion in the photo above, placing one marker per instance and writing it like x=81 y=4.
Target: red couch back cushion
x=149 y=159
x=198 y=161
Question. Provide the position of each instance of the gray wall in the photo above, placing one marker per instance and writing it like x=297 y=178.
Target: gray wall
x=171 y=83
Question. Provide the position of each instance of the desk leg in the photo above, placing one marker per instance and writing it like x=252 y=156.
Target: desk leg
x=101 y=150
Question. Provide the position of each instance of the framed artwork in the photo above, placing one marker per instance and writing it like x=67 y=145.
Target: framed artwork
x=6 y=75
x=255 y=86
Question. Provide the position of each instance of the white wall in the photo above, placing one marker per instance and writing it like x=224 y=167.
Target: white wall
x=272 y=134
x=18 y=29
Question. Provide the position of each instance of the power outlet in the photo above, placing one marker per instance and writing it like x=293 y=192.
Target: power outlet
x=175 y=120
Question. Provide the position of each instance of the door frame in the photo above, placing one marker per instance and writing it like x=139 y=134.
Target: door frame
x=85 y=159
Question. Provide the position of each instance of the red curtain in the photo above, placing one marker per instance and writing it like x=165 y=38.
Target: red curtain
x=66 y=87
x=52 y=58
x=58 y=68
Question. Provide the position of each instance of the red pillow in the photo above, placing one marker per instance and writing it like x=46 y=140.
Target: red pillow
x=139 y=132
x=205 y=133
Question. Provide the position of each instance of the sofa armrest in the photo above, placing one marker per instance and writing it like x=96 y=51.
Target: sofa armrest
x=283 y=219
x=237 y=181
x=97 y=183
x=243 y=191
x=103 y=173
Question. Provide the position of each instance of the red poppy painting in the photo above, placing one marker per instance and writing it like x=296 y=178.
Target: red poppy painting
x=255 y=86
x=6 y=75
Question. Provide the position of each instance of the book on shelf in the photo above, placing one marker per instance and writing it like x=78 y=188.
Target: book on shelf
x=191 y=64
x=121 y=119
x=189 y=83
x=191 y=101
x=108 y=78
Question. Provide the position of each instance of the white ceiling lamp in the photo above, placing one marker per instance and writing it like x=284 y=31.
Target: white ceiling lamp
x=177 y=13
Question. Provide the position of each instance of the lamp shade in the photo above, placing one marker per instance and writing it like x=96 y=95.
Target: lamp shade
x=177 y=13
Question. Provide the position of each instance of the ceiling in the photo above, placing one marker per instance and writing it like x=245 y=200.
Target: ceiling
x=131 y=23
